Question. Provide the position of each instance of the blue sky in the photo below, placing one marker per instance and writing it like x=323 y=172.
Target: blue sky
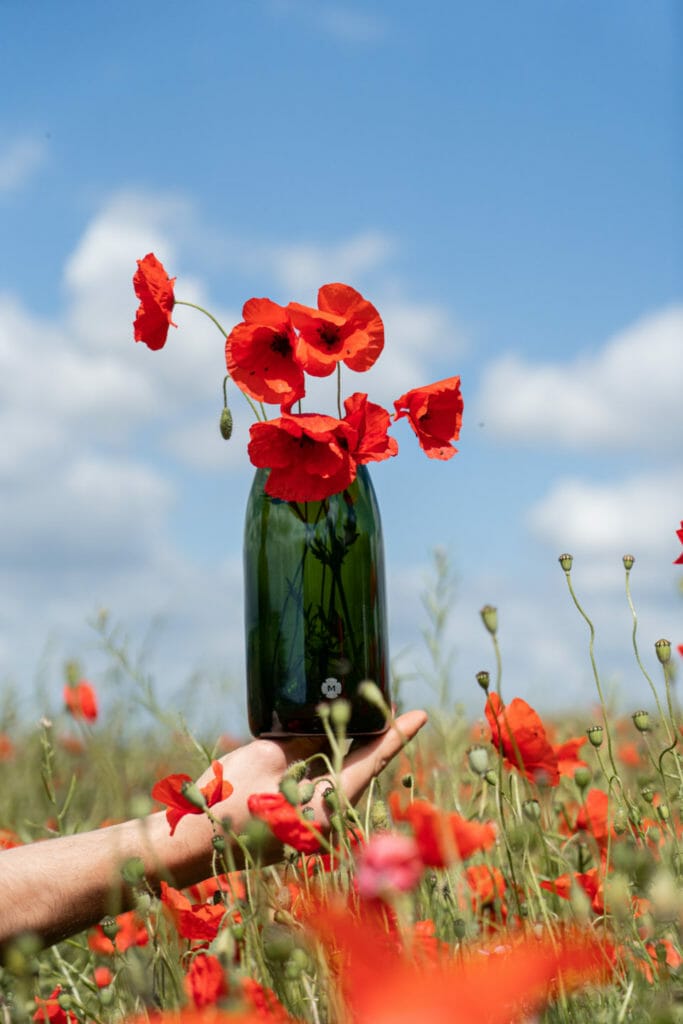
x=502 y=181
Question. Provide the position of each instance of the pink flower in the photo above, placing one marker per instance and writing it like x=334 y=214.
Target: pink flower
x=388 y=863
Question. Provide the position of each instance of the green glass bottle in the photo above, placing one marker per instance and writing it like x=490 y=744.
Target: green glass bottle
x=315 y=608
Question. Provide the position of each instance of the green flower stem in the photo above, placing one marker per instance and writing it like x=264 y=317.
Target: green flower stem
x=596 y=675
x=339 y=407
x=193 y=305
x=638 y=658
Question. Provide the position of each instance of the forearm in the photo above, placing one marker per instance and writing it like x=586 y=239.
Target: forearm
x=61 y=886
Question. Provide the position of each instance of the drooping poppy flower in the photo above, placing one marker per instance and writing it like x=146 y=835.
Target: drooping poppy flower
x=442 y=837
x=154 y=288
x=205 y=982
x=49 y=1009
x=518 y=732
x=567 y=755
x=435 y=414
x=192 y=920
x=284 y=821
x=388 y=863
x=259 y=354
x=170 y=791
x=131 y=931
x=369 y=422
x=81 y=701
x=344 y=328
x=307 y=455
x=487 y=984
x=679 y=534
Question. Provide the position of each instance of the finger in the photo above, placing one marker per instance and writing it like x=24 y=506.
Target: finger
x=367 y=761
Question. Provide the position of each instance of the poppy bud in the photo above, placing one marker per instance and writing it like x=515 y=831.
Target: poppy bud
x=628 y=561
x=218 y=843
x=595 y=735
x=290 y=790
x=297 y=770
x=193 y=795
x=371 y=692
x=340 y=713
x=663 y=812
x=407 y=781
x=582 y=776
x=478 y=758
x=620 y=821
x=532 y=810
x=663 y=651
x=306 y=791
x=379 y=817
x=566 y=562
x=331 y=798
x=641 y=720
x=491 y=777
x=226 y=424
x=460 y=928
x=647 y=794
x=65 y=1001
x=489 y=616
x=483 y=678
x=133 y=871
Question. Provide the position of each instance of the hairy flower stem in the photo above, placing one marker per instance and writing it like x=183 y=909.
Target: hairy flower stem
x=193 y=305
x=596 y=675
x=638 y=658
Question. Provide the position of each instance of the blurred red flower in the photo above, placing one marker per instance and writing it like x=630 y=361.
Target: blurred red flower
x=435 y=414
x=485 y=984
x=265 y=1004
x=7 y=748
x=131 y=932
x=344 y=328
x=308 y=456
x=388 y=863
x=259 y=354
x=170 y=791
x=518 y=732
x=284 y=821
x=679 y=534
x=486 y=885
x=50 y=1010
x=567 y=755
x=589 y=881
x=81 y=700
x=154 y=288
x=205 y=982
x=102 y=977
x=8 y=839
x=192 y=920
x=442 y=837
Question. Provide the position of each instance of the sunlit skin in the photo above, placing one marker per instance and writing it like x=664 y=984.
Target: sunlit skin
x=59 y=887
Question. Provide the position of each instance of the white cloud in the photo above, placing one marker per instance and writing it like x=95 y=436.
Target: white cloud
x=624 y=396
x=598 y=523
x=19 y=159
x=302 y=268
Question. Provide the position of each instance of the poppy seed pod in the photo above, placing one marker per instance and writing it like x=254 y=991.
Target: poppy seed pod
x=484 y=680
x=566 y=562
x=641 y=720
x=628 y=561
x=595 y=735
x=663 y=651
x=478 y=758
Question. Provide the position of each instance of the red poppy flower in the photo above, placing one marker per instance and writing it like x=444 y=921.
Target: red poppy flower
x=588 y=881
x=567 y=755
x=259 y=354
x=102 y=977
x=8 y=839
x=170 y=791
x=435 y=415
x=284 y=821
x=7 y=748
x=369 y=422
x=679 y=534
x=519 y=732
x=131 y=932
x=442 y=837
x=344 y=328
x=192 y=920
x=485 y=885
x=593 y=816
x=205 y=982
x=265 y=1004
x=50 y=1010
x=307 y=455
x=81 y=701
x=154 y=288
x=383 y=984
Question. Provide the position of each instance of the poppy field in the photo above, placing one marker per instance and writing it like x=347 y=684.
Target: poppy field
x=513 y=868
